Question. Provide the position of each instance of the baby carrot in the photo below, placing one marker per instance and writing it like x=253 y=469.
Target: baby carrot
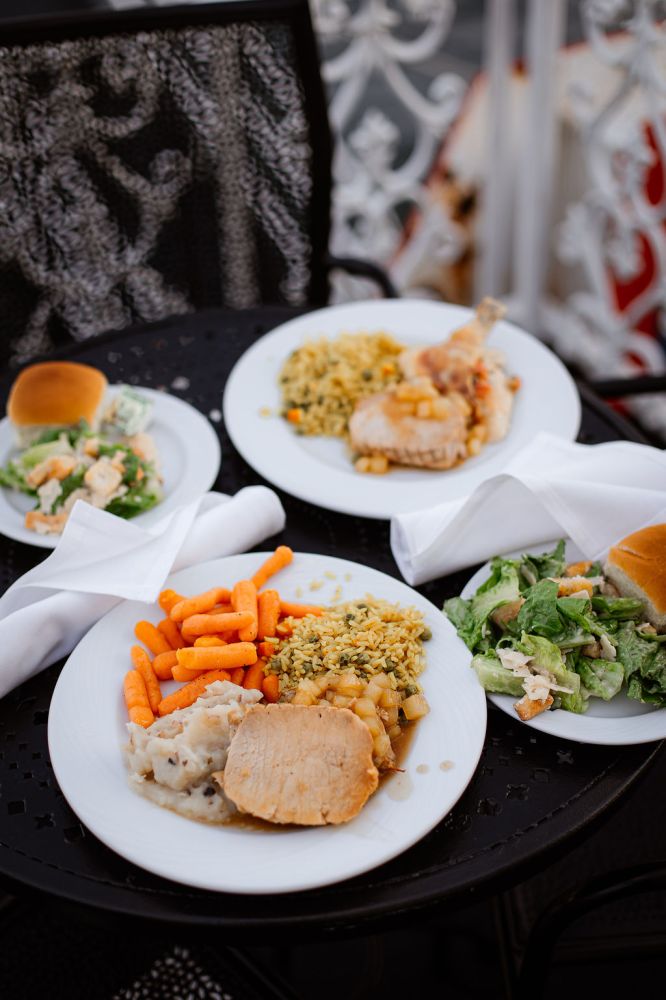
x=183 y=674
x=220 y=609
x=282 y=556
x=188 y=637
x=254 y=676
x=199 y=603
x=244 y=598
x=290 y=610
x=164 y=663
x=268 y=613
x=171 y=633
x=270 y=687
x=236 y=654
x=207 y=624
x=187 y=695
x=210 y=640
x=136 y=699
x=142 y=663
x=267 y=649
x=237 y=676
x=152 y=638
x=167 y=599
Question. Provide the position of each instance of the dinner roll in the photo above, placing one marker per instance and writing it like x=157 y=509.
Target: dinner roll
x=56 y=393
x=637 y=567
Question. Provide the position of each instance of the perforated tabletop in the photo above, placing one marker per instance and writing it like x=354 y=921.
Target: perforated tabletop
x=529 y=795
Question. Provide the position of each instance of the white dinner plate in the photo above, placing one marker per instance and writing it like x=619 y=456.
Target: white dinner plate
x=189 y=453
x=318 y=469
x=618 y=722
x=87 y=728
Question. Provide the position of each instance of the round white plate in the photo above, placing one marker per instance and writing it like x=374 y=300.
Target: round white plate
x=318 y=469
x=618 y=722
x=189 y=453
x=87 y=728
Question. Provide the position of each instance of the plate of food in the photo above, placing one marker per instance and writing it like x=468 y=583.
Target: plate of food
x=572 y=647
x=272 y=745
x=382 y=407
x=69 y=435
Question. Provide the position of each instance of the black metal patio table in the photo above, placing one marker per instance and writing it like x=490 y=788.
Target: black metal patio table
x=530 y=795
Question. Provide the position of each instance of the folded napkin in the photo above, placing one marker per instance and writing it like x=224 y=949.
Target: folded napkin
x=593 y=494
x=102 y=559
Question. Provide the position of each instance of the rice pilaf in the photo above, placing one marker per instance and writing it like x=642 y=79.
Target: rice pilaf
x=322 y=380
x=367 y=637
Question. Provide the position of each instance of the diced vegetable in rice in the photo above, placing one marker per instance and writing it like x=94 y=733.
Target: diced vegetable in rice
x=367 y=637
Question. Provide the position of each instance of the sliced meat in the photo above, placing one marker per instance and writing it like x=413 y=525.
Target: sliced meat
x=305 y=764
x=378 y=426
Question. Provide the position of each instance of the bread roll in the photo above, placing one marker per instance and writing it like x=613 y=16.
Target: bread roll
x=55 y=393
x=637 y=567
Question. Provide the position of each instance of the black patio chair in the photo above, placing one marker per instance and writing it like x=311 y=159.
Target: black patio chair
x=157 y=161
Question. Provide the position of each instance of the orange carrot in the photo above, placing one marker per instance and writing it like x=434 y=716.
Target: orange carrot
x=199 y=603
x=236 y=654
x=171 y=633
x=187 y=695
x=290 y=610
x=267 y=649
x=142 y=663
x=220 y=609
x=180 y=673
x=244 y=598
x=207 y=624
x=188 y=637
x=152 y=638
x=136 y=699
x=254 y=676
x=270 y=687
x=167 y=599
x=210 y=640
x=282 y=556
x=268 y=613
x=164 y=663
x=237 y=676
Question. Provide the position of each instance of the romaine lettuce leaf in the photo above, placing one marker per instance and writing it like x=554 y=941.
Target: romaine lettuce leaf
x=602 y=678
x=13 y=477
x=538 y=614
x=470 y=617
x=619 y=608
x=633 y=651
x=495 y=677
x=534 y=568
x=133 y=503
x=548 y=656
x=40 y=452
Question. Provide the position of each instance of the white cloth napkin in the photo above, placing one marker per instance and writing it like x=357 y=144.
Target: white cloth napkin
x=593 y=494
x=102 y=559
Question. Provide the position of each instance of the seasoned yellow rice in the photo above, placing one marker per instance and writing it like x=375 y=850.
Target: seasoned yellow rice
x=322 y=381
x=367 y=636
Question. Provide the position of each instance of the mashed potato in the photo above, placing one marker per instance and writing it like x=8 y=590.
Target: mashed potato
x=171 y=762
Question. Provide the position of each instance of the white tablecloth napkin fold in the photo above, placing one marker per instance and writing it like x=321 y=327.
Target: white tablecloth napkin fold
x=593 y=494
x=102 y=559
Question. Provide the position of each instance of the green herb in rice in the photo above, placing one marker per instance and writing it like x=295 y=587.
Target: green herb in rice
x=369 y=637
x=324 y=379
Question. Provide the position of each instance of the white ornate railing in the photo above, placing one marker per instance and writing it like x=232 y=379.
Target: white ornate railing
x=379 y=171
x=591 y=277
x=615 y=234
